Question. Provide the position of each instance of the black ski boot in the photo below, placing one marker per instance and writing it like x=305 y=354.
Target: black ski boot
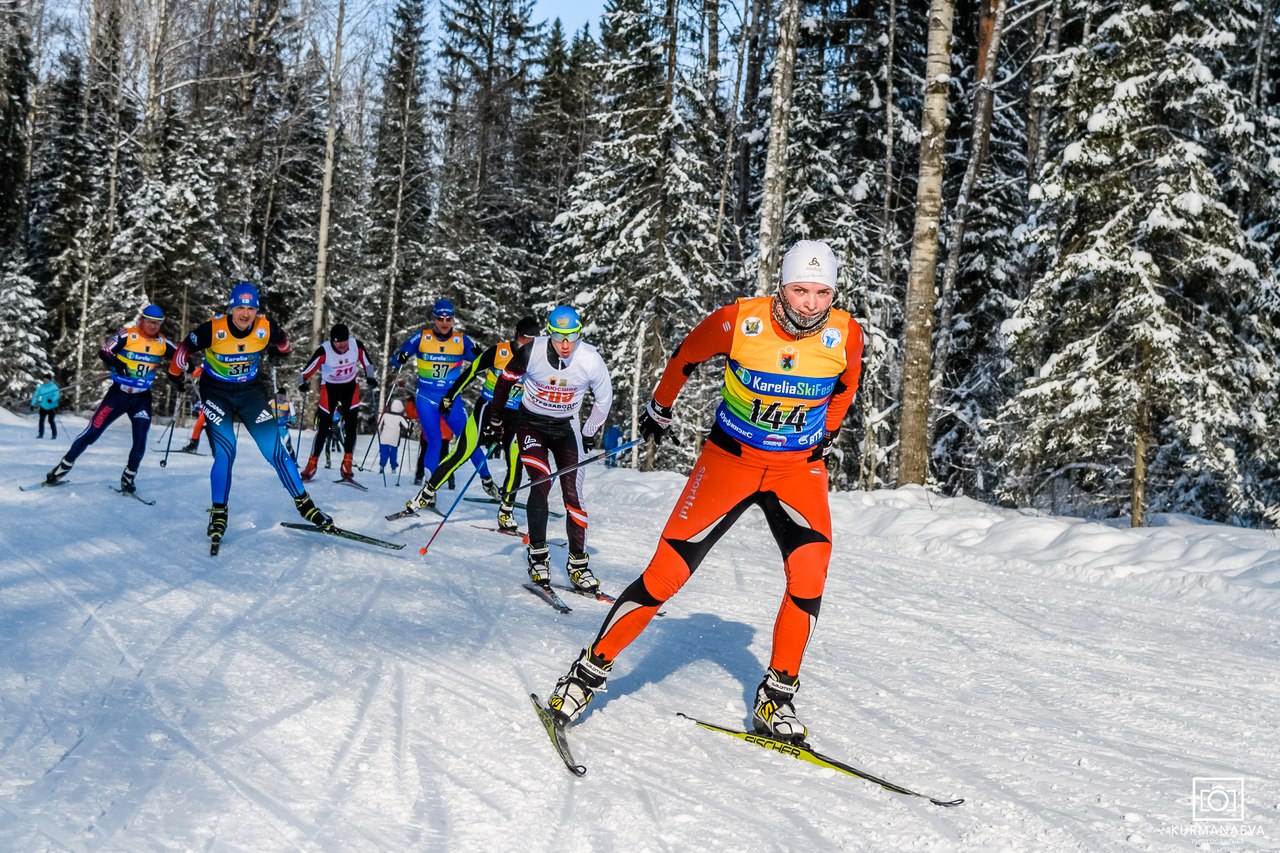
x=126 y=482
x=579 y=575
x=539 y=564
x=312 y=513
x=217 y=521
x=774 y=715
x=576 y=688
x=59 y=471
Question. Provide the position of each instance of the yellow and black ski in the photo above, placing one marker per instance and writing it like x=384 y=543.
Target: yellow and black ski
x=804 y=752
x=555 y=731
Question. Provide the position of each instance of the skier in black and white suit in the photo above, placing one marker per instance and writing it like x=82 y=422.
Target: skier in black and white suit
x=557 y=370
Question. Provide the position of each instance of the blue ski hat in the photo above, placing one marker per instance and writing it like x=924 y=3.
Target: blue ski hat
x=153 y=312
x=564 y=323
x=442 y=309
x=243 y=295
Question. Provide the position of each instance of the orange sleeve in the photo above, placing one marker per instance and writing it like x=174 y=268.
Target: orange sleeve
x=710 y=338
x=847 y=384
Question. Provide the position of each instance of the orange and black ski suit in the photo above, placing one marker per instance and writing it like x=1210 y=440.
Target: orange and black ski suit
x=782 y=397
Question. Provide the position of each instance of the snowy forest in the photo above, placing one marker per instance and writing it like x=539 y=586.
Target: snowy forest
x=1056 y=219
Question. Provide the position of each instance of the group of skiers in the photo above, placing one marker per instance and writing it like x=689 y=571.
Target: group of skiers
x=792 y=371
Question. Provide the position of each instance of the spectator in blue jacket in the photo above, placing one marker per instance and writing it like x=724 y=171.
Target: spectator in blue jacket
x=45 y=401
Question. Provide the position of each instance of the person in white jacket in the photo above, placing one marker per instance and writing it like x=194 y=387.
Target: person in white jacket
x=393 y=427
x=557 y=370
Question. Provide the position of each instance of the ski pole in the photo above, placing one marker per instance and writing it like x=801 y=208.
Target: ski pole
x=456 y=501
x=566 y=469
x=177 y=407
x=302 y=417
x=376 y=429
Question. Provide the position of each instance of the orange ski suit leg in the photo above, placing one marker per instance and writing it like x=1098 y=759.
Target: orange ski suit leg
x=793 y=494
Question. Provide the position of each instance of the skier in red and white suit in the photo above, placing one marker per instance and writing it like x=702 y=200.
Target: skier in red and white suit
x=339 y=361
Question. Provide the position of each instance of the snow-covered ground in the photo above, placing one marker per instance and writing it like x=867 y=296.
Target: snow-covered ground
x=1070 y=680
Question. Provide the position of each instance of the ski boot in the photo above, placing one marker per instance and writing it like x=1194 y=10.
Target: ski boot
x=345 y=470
x=312 y=513
x=126 y=482
x=540 y=564
x=193 y=446
x=576 y=688
x=579 y=575
x=217 y=521
x=774 y=714
x=310 y=471
x=490 y=487
x=59 y=471
x=506 y=518
x=425 y=499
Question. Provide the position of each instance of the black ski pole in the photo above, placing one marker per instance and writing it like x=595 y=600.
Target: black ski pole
x=575 y=466
x=376 y=429
x=302 y=417
x=177 y=407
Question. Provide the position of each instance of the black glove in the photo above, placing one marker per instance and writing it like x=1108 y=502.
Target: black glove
x=829 y=441
x=304 y=385
x=589 y=442
x=177 y=380
x=371 y=381
x=655 y=421
x=446 y=405
x=491 y=433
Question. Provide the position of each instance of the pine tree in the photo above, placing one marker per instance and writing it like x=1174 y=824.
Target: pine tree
x=634 y=251
x=401 y=185
x=483 y=222
x=1145 y=344
x=15 y=98
x=60 y=204
x=22 y=341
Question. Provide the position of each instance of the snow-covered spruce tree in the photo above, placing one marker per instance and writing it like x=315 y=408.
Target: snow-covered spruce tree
x=1145 y=345
x=634 y=250
x=829 y=187
x=22 y=340
x=874 y=57
x=481 y=234
x=400 y=180
x=554 y=139
x=292 y=208
x=355 y=286
x=15 y=102
x=171 y=243
x=59 y=205
x=988 y=266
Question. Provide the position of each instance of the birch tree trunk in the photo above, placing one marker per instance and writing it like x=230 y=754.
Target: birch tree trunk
x=104 y=91
x=1141 y=436
x=748 y=29
x=393 y=274
x=913 y=428
x=775 y=170
x=636 y=374
x=1261 y=63
x=888 y=243
x=750 y=99
x=979 y=139
x=326 y=190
